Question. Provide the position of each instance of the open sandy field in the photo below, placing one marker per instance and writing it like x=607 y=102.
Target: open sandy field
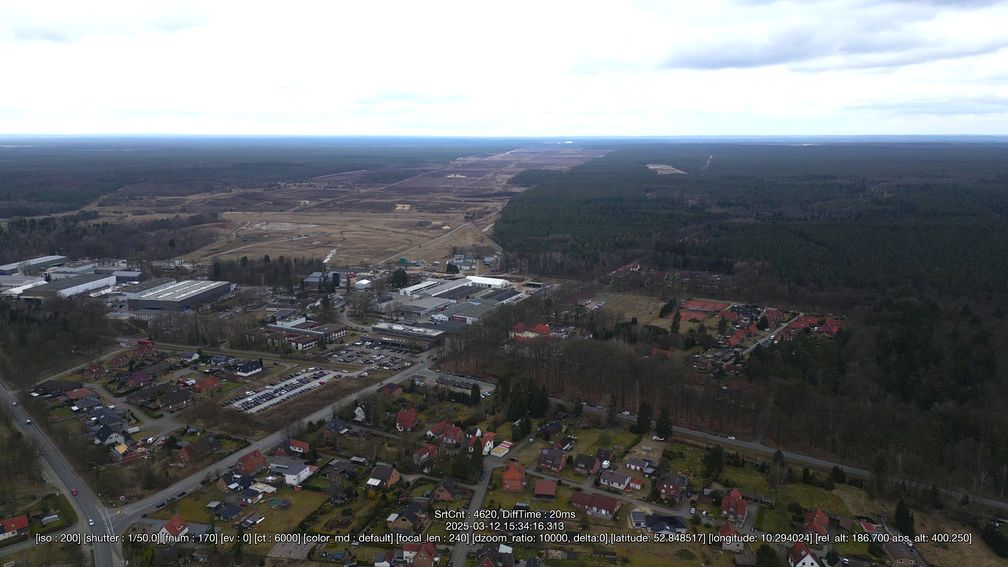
x=424 y=215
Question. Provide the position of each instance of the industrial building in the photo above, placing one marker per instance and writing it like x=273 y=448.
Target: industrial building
x=71 y=269
x=492 y=283
x=69 y=287
x=177 y=295
x=423 y=306
x=406 y=335
x=461 y=292
x=32 y=265
x=469 y=312
x=417 y=290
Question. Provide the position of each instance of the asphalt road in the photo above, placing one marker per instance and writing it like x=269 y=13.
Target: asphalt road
x=86 y=503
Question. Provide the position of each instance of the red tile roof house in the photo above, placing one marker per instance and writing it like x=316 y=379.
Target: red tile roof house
x=298 y=447
x=545 y=489
x=635 y=484
x=175 y=527
x=79 y=393
x=14 y=527
x=206 y=384
x=513 y=478
x=522 y=332
x=426 y=455
x=734 y=507
x=816 y=522
x=598 y=505
x=406 y=419
x=251 y=463
x=798 y=555
x=731 y=541
x=447 y=433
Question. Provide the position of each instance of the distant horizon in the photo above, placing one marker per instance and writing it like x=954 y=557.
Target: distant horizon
x=560 y=139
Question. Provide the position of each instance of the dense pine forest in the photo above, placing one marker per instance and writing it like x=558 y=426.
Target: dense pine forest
x=909 y=241
x=867 y=216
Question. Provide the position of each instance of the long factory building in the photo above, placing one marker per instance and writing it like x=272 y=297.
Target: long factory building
x=171 y=295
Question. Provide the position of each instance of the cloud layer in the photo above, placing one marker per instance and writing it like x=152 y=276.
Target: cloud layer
x=520 y=68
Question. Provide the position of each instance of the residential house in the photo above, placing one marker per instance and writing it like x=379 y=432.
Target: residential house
x=604 y=456
x=548 y=430
x=899 y=554
x=637 y=464
x=87 y=405
x=251 y=463
x=176 y=527
x=336 y=427
x=495 y=555
x=674 y=487
x=799 y=555
x=13 y=527
x=513 y=477
x=420 y=554
x=299 y=448
x=78 y=393
x=487 y=441
x=586 y=464
x=189 y=357
x=382 y=476
x=734 y=507
x=138 y=380
x=412 y=519
x=545 y=489
x=406 y=419
x=294 y=471
x=175 y=400
x=597 y=505
x=552 y=459
x=227 y=512
x=731 y=538
x=522 y=332
x=446 y=432
x=614 y=479
x=816 y=522
x=206 y=384
x=446 y=491
x=108 y=417
x=108 y=436
x=635 y=483
x=248 y=368
x=250 y=496
x=425 y=456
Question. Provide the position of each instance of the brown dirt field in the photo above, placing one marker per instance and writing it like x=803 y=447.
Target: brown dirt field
x=463 y=237
x=356 y=219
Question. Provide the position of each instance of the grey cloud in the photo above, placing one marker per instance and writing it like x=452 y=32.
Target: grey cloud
x=31 y=27
x=844 y=35
x=33 y=33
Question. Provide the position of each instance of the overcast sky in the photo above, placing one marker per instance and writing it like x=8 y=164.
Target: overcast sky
x=540 y=68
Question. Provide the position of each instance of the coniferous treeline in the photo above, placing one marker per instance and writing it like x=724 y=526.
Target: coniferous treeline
x=76 y=236
x=276 y=272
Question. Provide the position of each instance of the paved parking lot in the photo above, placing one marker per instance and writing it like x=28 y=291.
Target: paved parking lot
x=280 y=390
